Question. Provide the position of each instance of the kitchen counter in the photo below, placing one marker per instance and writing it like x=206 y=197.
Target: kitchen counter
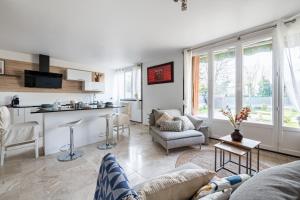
x=72 y=109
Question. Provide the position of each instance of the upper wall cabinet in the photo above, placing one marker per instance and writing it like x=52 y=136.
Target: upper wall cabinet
x=78 y=75
x=93 y=86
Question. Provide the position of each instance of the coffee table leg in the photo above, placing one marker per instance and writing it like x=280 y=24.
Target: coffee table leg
x=215 y=159
x=250 y=162
x=247 y=162
x=220 y=157
x=257 y=158
x=223 y=158
x=239 y=164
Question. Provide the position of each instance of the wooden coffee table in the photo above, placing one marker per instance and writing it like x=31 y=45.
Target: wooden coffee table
x=240 y=149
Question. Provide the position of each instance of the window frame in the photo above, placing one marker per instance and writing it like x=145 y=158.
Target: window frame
x=274 y=71
x=206 y=53
x=227 y=46
x=238 y=45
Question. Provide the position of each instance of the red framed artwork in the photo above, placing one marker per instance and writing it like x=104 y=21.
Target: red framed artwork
x=163 y=73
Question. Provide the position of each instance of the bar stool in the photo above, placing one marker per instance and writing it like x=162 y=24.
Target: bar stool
x=106 y=145
x=71 y=154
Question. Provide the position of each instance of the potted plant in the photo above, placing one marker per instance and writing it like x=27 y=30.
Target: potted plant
x=236 y=121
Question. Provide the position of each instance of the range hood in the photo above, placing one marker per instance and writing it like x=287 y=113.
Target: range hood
x=42 y=78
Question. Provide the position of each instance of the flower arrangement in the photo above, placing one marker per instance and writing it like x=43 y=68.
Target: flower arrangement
x=236 y=120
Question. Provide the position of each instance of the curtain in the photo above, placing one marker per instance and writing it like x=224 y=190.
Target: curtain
x=288 y=37
x=118 y=92
x=188 y=83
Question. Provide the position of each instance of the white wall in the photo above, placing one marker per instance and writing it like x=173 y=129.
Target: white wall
x=29 y=98
x=167 y=95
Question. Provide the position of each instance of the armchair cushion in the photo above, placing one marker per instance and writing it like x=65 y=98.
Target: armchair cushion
x=197 y=122
x=21 y=132
x=171 y=126
x=171 y=135
x=186 y=123
x=162 y=118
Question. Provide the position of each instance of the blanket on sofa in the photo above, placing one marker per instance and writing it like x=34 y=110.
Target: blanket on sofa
x=112 y=183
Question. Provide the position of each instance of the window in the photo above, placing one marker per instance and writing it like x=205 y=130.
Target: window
x=257 y=80
x=200 y=80
x=128 y=82
x=291 y=104
x=224 y=81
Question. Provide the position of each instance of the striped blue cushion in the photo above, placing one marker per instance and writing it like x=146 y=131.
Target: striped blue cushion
x=112 y=183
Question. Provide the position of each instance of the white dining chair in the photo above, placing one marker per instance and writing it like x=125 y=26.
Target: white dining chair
x=121 y=120
x=16 y=134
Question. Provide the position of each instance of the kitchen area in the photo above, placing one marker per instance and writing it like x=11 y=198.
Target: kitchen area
x=55 y=96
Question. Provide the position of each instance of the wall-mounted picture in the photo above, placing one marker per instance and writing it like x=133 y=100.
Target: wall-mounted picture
x=163 y=73
x=1 y=66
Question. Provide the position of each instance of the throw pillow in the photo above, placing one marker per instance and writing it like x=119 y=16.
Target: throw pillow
x=112 y=182
x=163 y=117
x=196 y=121
x=280 y=182
x=221 y=184
x=157 y=114
x=177 y=185
x=222 y=195
x=170 y=126
x=186 y=123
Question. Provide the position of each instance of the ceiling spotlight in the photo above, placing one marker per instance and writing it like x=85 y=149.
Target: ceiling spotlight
x=183 y=4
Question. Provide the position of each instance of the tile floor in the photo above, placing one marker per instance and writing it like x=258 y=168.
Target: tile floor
x=24 y=178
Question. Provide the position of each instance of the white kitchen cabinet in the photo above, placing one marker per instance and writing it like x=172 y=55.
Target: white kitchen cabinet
x=17 y=115
x=93 y=86
x=78 y=75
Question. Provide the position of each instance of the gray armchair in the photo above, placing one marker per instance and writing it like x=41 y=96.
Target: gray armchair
x=171 y=140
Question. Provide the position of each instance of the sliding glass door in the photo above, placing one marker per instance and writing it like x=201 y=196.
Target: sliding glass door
x=257 y=80
x=224 y=67
x=246 y=73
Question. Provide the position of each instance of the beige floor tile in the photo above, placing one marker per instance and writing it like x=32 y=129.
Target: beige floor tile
x=24 y=178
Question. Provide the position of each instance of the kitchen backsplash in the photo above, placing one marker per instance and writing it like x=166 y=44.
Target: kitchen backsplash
x=28 y=98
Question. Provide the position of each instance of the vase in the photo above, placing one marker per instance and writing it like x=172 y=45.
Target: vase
x=236 y=135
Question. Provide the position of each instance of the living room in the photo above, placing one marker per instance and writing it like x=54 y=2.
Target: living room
x=150 y=100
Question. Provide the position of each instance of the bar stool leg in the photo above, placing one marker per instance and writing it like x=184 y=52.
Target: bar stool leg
x=71 y=154
x=71 y=141
x=107 y=145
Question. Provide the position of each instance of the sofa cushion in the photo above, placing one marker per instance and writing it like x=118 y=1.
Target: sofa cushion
x=280 y=182
x=171 y=135
x=197 y=122
x=173 y=112
x=162 y=118
x=171 y=126
x=176 y=185
x=186 y=123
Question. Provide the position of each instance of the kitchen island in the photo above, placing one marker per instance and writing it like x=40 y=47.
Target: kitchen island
x=89 y=131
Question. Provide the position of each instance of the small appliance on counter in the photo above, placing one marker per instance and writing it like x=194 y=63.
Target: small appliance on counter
x=46 y=107
x=15 y=101
x=109 y=104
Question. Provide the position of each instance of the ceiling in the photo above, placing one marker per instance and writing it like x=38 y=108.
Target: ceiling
x=118 y=33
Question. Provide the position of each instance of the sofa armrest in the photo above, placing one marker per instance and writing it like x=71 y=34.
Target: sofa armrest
x=204 y=130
